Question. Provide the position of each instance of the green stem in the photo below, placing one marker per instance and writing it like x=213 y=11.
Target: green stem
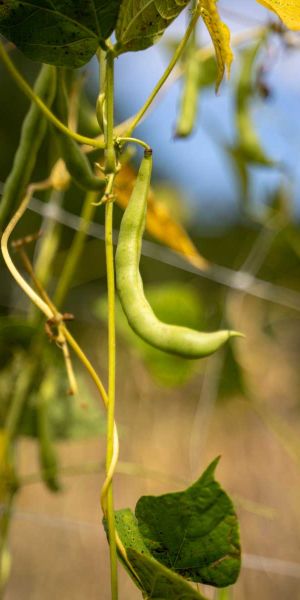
x=177 y=54
x=110 y=515
x=107 y=500
x=110 y=155
x=75 y=251
x=132 y=140
x=42 y=106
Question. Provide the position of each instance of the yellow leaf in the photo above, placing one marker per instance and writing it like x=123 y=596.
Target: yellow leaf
x=60 y=177
x=287 y=10
x=220 y=36
x=159 y=222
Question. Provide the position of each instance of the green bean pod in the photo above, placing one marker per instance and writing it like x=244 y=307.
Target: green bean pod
x=76 y=162
x=189 y=100
x=47 y=452
x=249 y=145
x=170 y=338
x=32 y=134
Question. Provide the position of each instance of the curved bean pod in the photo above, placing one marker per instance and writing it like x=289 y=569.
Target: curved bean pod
x=76 y=162
x=174 y=339
x=32 y=134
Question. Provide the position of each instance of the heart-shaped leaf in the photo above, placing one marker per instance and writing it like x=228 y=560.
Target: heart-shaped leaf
x=190 y=535
x=194 y=533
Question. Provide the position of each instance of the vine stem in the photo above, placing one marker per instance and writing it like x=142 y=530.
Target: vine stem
x=48 y=308
x=34 y=297
x=106 y=497
x=28 y=91
x=132 y=140
x=107 y=502
x=110 y=155
x=73 y=389
x=45 y=305
x=177 y=54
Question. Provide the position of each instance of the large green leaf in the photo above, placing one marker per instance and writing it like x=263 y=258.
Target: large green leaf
x=58 y=32
x=142 y=22
x=195 y=533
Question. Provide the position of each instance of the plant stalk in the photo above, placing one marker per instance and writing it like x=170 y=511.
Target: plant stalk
x=28 y=91
x=107 y=500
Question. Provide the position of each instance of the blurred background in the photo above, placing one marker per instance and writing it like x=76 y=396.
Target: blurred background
x=175 y=416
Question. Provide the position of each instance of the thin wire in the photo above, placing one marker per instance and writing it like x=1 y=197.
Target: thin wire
x=211 y=376
x=254 y=562
x=237 y=280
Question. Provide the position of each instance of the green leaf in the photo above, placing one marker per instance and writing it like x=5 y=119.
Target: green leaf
x=142 y=22
x=70 y=417
x=159 y=583
x=155 y=580
x=59 y=32
x=195 y=533
x=129 y=533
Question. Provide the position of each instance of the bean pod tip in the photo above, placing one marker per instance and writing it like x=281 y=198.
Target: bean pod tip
x=147 y=152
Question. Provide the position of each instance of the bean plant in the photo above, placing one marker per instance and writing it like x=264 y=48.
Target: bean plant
x=173 y=541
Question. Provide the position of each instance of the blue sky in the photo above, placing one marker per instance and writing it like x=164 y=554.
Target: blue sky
x=197 y=164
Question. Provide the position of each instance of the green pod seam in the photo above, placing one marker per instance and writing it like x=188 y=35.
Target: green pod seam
x=174 y=339
x=76 y=162
x=32 y=134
